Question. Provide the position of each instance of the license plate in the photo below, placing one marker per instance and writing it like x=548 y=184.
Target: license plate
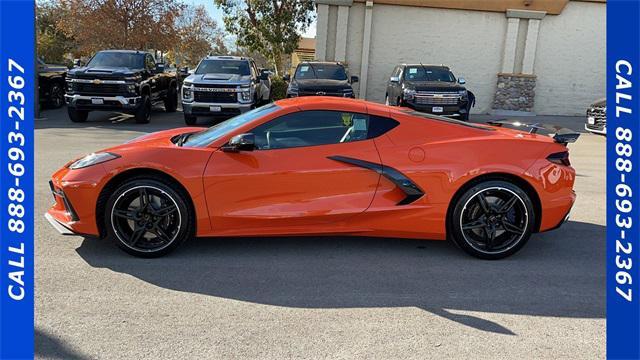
x=591 y=120
x=97 y=101
x=438 y=109
x=215 y=108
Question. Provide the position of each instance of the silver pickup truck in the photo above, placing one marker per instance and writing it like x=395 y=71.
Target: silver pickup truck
x=224 y=86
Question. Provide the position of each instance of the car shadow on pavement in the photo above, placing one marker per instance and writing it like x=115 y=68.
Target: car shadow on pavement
x=49 y=347
x=558 y=274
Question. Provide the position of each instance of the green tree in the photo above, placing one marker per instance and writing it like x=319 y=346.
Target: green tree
x=271 y=28
x=52 y=43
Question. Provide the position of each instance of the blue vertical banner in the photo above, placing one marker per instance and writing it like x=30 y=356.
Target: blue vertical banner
x=17 y=103
x=623 y=182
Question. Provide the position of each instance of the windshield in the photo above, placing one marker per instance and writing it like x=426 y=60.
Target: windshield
x=117 y=59
x=426 y=73
x=213 y=133
x=320 y=71
x=237 y=67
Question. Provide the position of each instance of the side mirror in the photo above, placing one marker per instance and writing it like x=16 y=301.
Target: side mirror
x=354 y=79
x=394 y=79
x=242 y=142
x=287 y=77
x=264 y=75
x=462 y=81
x=159 y=68
x=76 y=63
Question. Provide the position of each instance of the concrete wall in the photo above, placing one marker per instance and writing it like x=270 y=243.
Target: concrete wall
x=571 y=60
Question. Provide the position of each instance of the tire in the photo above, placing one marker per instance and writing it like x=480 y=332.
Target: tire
x=153 y=227
x=190 y=119
x=494 y=228
x=56 y=99
x=143 y=113
x=464 y=117
x=77 y=116
x=171 y=102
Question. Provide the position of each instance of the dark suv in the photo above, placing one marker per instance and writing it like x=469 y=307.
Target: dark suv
x=120 y=80
x=320 y=79
x=428 y=88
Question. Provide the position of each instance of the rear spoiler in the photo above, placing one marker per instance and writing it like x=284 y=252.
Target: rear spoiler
x=560 y=134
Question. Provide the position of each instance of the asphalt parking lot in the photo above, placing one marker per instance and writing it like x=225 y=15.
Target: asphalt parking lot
x=336 y=297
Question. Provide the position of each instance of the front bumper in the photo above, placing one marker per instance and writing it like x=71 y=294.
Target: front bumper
x=204 y=109
x=58 y=225
x=111 y=102
x=596 y=130
x=447 y=110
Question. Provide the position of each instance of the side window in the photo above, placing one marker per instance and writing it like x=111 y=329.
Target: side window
x=379 y=125
x=150 y=63
x=311 y=128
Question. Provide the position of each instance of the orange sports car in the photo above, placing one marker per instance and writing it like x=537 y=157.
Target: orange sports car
x=322 y=166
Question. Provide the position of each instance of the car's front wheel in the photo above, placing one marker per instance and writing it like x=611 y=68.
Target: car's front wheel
x=492 y=220
x=77 y=116
x=149 y=217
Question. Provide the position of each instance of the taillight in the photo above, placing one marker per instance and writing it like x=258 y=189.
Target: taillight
x=560 y=158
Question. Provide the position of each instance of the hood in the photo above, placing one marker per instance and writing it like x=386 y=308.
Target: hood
x=155 y=139
x=53 y=68
x=103 y=72
x=434 y=86
x=599 y=102
x=219 y=79
x=321 y=84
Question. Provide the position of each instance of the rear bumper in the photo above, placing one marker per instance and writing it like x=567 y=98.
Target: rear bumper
x=116 y=102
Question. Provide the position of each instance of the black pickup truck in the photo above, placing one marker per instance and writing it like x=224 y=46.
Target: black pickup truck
x=120 y=80
x=51 y=84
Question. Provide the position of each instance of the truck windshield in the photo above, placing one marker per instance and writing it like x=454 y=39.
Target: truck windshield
x=237 y=67
x=428 y=73
x=213 y=133
x=320 y=71
x=117 y=59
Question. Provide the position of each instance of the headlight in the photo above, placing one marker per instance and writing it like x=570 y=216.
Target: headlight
x=93 y=159
x=462 y=92
x=187 y=91
x=409 y=94
x=347 y=92
x=292 y=90
x=245 y=94
x=131 y=88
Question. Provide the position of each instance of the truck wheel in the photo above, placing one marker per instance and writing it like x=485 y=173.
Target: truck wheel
x=190 y=119
x=77 y=116
x=171 y=102
x=464 y=117
x=57 y=96
x=143 y=113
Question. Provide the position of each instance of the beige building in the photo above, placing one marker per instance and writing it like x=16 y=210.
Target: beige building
x=538 y=56
x=306 y=51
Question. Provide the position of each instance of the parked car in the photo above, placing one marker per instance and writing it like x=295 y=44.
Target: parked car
x=597 y=117
x=322 y=165
x=224 y=86
x=428 y=88
x=315 y=78
x=51 y=84
x=122 y=80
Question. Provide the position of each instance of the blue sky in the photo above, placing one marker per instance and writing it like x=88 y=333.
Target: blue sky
x=217 y=15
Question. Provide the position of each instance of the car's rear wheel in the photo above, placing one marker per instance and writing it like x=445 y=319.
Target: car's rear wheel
x=149 y=217
x=57 y=96
x=492 y=220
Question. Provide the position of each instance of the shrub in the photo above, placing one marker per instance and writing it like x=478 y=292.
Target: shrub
x=278 y=88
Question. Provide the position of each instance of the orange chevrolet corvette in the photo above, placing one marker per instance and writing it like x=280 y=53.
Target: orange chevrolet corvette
x=322 y=166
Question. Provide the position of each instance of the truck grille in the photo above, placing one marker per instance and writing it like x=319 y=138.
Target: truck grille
x=99 y=89
x=215 y=97
x=437 y=98
x=599 y=115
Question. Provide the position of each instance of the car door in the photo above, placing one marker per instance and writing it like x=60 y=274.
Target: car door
x=290 y=180
x=154 y=84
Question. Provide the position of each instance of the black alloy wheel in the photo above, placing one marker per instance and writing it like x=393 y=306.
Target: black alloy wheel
x=493 y=220
x=143 y=113
x=148 y=218
x=171 y=102
x=56 y=96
